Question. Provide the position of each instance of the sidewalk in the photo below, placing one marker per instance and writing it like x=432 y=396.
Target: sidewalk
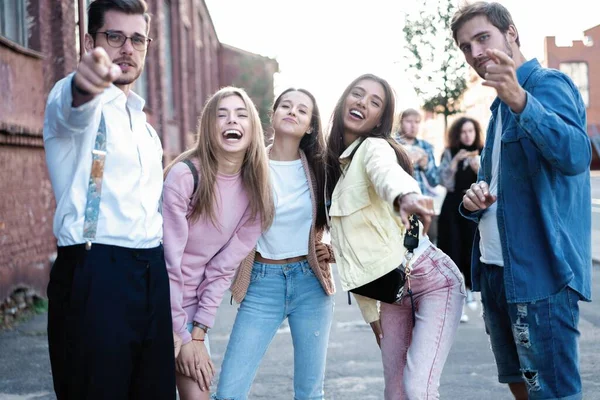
x=354 y=369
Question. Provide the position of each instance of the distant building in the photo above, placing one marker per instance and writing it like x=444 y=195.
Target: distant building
x=581 y=61
x=254 y=73
x=39 y=44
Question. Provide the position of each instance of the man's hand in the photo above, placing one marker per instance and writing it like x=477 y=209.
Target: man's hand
x=94 y=74
x=413 y=203
x=502 y=76
x=423 y=161
x=416 y=154
x=376 y=327
x=322 y=252
x=478 y=197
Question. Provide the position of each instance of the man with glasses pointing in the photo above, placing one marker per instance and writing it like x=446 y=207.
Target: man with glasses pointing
x=109 y=320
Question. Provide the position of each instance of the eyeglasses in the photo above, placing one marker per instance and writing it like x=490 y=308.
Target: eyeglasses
x=116 y=39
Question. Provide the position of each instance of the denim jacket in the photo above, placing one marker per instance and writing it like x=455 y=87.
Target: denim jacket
x=544 y=199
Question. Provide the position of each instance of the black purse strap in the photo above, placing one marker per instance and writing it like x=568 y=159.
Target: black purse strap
x=192 y=168
x=411 y=238
x=411 y=242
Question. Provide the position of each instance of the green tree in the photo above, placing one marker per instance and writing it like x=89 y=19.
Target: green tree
x=435 y=64
x=254 y=79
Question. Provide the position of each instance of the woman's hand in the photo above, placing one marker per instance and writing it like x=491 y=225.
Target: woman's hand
x=458 y=157
x=177 y=343
x=185 y=363
x=322 y=252
x=205 y=369
x=474 y=163
x=413 y=203
x=376 y=327
x=195 y=363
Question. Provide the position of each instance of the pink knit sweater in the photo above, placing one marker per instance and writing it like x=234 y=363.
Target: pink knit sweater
x=201 y=258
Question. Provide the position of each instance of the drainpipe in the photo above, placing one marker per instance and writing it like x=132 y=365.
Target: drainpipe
x=81 y=12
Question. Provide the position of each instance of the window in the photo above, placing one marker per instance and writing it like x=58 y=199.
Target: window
x=13 y=21
x=578 y=72
x=169 y=59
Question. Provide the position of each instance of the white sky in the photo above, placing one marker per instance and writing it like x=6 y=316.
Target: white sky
x=322 y=45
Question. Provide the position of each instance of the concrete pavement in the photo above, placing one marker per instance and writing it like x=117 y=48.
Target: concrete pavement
x=354 y=363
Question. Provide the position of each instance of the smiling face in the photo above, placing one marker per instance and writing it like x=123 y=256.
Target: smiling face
x=234 y=128
x=130 y=60
x=478 y=35
x=363 y=107
x=293 y=114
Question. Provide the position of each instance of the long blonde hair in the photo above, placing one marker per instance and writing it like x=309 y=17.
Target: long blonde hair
x=255 y=168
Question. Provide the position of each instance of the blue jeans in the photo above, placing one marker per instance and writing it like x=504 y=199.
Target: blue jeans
x=277 y=292
x=536 y=342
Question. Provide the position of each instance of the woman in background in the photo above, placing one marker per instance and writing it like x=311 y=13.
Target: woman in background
x=458 y=170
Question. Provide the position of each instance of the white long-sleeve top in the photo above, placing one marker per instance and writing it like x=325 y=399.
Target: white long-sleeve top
x=132 y=185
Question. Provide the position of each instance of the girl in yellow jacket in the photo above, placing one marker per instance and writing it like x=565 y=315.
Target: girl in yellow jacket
x=372 y=196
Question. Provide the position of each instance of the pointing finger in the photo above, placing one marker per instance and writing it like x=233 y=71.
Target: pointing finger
x=502 y=57
x=100 y=56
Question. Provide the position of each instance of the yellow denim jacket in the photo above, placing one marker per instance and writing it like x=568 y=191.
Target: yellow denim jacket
x=366 y=233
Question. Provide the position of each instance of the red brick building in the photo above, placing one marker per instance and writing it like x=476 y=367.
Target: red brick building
x=581 y=61
x=39 y=44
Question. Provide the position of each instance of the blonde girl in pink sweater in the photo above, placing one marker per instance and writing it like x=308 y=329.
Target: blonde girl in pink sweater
x=216 y=202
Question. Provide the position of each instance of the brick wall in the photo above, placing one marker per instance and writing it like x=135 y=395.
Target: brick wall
x=580 y=52
x=26 y=211
x=589 y=53
x=26 y=202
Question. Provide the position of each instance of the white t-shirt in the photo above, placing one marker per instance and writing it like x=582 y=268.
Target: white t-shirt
x=288 y=235
x=489 y=245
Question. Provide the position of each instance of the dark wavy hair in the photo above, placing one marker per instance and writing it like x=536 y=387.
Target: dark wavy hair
x=335 y=142
x=453 y=137
x=313 y=146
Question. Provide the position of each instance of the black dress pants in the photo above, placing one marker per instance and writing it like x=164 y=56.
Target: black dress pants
x=109 y=324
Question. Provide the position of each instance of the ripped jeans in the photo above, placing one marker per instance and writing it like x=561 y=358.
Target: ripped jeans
x=534 y=342
x=277 y=292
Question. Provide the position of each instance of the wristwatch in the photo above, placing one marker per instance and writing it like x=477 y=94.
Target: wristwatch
x=201 y=326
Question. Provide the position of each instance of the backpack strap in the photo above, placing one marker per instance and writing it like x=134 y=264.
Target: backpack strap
x=192 y=168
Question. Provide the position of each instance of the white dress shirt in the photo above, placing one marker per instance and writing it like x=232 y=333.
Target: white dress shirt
x=133 y=176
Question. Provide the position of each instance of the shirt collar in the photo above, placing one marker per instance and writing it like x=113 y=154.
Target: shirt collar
x=133 y=101
x=344 y=158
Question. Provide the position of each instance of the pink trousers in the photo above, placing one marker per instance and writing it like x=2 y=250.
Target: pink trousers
x=413 y=357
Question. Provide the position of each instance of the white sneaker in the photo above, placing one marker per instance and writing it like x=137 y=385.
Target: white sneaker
x=464 y=317
x=470 y=301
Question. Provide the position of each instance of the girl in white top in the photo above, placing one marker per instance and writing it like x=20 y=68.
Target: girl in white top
x=288 y=276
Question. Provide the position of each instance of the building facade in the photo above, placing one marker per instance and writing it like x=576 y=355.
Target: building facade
x=581 y=61
x=40 y=43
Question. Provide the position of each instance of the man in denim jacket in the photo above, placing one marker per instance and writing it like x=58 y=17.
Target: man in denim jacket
x=532 y=251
